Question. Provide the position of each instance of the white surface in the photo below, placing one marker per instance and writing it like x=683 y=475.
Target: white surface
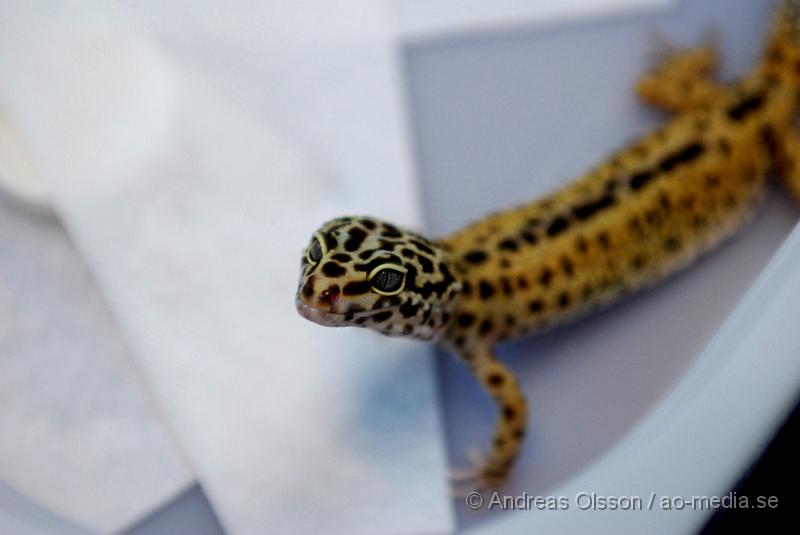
x=194 y=217
x=74 y=411
x=81 y=433
x=668 y=453
x=21 y=516
x=325 y=76
x=417 y=20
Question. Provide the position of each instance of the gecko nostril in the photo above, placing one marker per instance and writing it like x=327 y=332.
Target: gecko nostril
x=330 y=295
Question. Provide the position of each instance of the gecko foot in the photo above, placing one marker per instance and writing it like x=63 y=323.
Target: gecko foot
x=480 y=476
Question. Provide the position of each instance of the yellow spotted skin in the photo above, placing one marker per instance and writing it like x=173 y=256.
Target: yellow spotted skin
x=647 y=211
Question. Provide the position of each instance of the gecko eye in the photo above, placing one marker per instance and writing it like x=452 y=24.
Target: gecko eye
x=388 y=279
x=316 y=250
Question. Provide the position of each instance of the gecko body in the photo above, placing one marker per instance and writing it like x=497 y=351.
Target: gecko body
x=647 y=211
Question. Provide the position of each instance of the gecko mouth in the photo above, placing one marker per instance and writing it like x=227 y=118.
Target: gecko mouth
x=332 y=319
x=329 y=319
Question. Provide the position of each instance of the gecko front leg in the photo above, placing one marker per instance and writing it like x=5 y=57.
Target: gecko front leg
x=509 y=432
x=682 y=80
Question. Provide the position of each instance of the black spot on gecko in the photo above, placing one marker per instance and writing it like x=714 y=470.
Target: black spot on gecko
x=770 y=141
x=380 y=317
x=389 y=245
x=390 y=231
x=672 y=244
x=408 y=329
x=425 y=264
x=587 y=210
x=495 y=380
x=330 y=240
x=563 y=300
x=332 y=269
x=685 y=155
x=505 y=285
x=486 y=327
x=653 y=218
x=581 y=244
x=508 y=245
x=557 y=226
x=368 y=224
x=546 y=277
x=567 y=266
x=639 y=180
x=355 y=240
x=603 y=240
x=465 y=319
x=422 y=247
x=536 y=306
x=356 y=288
x=466 y=288
x=408 y=309
x=308 y=287
x=509 y=413
x=529 y=236
x=475 y=257
x=342 y=257
x=486 y=289
x=522 y=282
x=740 y=110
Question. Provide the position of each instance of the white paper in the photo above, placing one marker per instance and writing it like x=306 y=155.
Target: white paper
x=80 y=431
x=194 y=219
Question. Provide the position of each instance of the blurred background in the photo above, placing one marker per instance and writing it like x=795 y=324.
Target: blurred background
x=162 y=167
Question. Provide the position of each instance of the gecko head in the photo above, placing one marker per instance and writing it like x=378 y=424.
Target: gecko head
x=364 y=272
